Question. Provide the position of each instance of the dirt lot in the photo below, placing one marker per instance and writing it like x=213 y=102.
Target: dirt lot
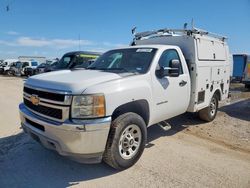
x=189 y=154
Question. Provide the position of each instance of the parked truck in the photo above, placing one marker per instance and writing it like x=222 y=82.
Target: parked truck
x=239 y=64
x=6 y=65
x=246 y=75
x=102 y=112
x=75 y=59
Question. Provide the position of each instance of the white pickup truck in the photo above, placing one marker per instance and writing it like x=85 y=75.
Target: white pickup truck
x=102 y=112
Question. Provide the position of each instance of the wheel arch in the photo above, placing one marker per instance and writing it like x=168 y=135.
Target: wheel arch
x=218 y=94
x=140 y=107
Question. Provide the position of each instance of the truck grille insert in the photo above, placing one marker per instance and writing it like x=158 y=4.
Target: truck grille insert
x=44 y=94
x=48 y=111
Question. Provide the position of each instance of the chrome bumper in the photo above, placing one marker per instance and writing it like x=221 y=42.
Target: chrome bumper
x=81 y=140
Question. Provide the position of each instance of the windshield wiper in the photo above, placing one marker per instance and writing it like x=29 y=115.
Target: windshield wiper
x=124 y=70
x=114 y=69
x=91 y=68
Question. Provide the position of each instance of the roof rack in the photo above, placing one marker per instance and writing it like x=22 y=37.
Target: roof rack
x=171 y=32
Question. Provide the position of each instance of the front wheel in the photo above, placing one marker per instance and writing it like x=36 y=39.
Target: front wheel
x=209 y=113
x=8 y=72
x=126 y=141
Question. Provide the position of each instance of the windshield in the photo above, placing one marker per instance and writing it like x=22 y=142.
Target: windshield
x=18 y=64
x=75 y=61
x=42 y=65
x=64 y=62
x=136 y=60
x=34 y=63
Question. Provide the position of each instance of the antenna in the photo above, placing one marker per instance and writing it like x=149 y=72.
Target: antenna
x=185 y=26
x=192 y=23
x=79 y=38
x=133 y=30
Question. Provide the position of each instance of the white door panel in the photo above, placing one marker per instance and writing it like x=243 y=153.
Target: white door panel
x=170 y=97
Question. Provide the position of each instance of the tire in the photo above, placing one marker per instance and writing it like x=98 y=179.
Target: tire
x=8 y=73
x=121 y=149
x=209 y=113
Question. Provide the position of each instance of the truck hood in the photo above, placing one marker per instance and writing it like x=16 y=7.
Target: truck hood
x=75 y=81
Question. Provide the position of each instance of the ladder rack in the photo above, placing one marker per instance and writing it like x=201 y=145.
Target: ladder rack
x=171 y=32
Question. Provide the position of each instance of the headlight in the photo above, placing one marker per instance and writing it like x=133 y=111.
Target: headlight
x=88 y=106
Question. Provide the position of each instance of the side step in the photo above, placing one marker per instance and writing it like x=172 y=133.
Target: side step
x=165 y=125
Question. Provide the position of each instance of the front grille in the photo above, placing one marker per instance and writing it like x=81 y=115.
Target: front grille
x=45 y=94
x=45 y=110
x=36 y=125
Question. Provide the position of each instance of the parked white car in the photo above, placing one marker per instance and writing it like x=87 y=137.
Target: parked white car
x=29 y=68
x=103 y=112
x=5 y=66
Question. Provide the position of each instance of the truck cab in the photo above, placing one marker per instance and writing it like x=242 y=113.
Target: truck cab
x=76 y=59
x=102 y=112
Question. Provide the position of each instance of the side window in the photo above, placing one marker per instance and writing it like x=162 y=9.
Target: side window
x=25 y=64
x=167 y=56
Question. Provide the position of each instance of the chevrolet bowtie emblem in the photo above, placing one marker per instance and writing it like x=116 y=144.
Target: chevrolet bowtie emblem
x=34 y=99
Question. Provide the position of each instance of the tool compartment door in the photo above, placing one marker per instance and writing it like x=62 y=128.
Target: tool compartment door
x=210 y=49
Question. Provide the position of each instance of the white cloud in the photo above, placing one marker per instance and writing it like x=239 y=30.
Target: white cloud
x=27 y=41
x=54 y=43
x=51 y=47
x=7 y=43
x=43 y=42
x=12 y=33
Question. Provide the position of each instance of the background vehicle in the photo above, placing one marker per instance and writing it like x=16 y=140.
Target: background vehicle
x=26 y=68
x=29 y=68
x=106 y=108
x=246 y=75
x=46 y=67
x=5 y=66
x=77 y=59
x=16 y=68
x=239 y=64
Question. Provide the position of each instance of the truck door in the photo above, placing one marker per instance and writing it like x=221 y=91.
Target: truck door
x=171 y=94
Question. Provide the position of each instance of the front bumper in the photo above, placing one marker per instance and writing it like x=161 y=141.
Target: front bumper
x=81 y=140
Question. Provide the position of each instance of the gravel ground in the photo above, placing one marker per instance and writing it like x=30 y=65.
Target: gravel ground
x=190 y=153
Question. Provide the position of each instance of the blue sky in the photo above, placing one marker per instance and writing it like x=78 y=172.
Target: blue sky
x=52 y=27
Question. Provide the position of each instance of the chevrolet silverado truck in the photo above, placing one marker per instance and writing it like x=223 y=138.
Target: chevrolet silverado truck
x=102 y=112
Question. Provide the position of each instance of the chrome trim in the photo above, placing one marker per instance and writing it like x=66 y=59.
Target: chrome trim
x=94 y=123
x=67 y=99
x=65 y=111
x=49 y=90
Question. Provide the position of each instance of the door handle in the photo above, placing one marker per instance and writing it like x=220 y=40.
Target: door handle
x=182 y=83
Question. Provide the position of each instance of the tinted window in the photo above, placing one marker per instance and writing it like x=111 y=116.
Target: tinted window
x=83 y=60
x=25 y=64
x=65 y=62
x=34 y=63
x=167 y=56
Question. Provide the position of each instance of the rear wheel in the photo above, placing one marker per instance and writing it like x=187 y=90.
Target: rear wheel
x=126 y=141
x=209 y=113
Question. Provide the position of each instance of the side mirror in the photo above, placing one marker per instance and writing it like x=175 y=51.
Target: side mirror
x=162 y=72
x=174 y=70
